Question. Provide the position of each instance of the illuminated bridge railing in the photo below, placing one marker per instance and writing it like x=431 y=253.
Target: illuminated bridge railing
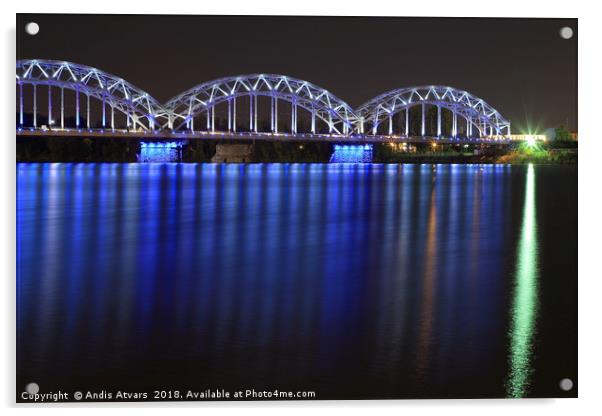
x=70 y=99
x=250 y=136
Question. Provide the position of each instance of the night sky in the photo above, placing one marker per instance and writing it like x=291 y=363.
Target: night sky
x=522 y=67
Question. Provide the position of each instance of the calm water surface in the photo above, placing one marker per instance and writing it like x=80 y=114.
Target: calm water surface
x=354 y=281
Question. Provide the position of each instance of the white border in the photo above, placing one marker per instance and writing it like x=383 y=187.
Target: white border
x=590 y=276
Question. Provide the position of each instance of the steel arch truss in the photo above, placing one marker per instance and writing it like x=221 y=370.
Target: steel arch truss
x=320 y=103
x=476 y=111
x=144 y=112
x=140 y=108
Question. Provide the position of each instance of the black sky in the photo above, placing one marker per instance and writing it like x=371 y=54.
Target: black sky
x=522 y=67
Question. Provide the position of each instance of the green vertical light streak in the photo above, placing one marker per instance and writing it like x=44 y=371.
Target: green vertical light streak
x=524 y=308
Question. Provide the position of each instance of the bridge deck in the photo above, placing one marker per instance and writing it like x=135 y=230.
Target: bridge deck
x=245 y=136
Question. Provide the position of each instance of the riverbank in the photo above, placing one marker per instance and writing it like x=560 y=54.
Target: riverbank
x=117 y=150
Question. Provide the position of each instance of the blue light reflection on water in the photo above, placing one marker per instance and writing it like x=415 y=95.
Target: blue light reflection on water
x=372 y=280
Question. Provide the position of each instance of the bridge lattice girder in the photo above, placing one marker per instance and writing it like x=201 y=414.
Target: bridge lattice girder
x=472 y=108
x=113 y=90
x=336 y=113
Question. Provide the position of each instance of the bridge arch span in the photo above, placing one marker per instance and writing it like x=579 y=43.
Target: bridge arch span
x=320 y=104
x=115 y=95
x=481 y=119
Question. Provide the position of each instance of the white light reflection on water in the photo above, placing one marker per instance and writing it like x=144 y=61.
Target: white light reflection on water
x=524 y=308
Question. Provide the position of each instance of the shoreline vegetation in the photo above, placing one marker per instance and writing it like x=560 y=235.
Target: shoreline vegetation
x=128 y=150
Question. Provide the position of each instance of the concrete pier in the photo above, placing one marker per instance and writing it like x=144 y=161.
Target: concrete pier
x=233 y=153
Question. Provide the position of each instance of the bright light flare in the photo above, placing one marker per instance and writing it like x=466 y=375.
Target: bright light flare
x=531 y=140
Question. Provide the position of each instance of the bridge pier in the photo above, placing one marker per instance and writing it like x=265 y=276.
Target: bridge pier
x=161 y=151
x=233 y=153
x=351 y=153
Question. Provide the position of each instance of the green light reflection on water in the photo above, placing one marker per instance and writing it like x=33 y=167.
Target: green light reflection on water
x=524 y=307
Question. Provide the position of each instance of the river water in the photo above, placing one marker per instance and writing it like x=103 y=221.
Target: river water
x=353 y=281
